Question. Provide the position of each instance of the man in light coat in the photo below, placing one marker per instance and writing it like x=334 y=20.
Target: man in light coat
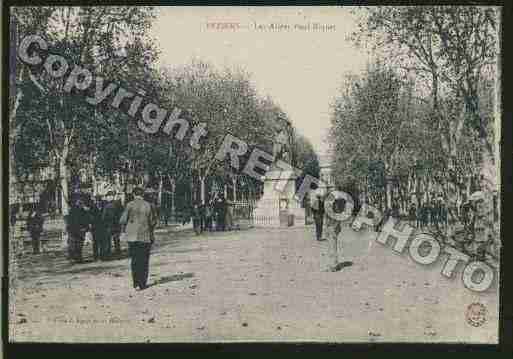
x=333 y=229
x=139 y=221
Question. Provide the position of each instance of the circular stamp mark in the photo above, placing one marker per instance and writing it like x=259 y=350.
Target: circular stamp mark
x=476 y=314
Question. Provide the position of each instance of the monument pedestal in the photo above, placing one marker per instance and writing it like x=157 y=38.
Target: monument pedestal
x=277 y=205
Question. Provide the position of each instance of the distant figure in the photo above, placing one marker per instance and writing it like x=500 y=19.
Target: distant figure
x=229 y=216
x=482 y=223
x=425 y=215
x=395 y=210
x=433 y=215
x=139 y=222
x=208 y=216
x=13 y=214
x=443 y=214
x=318 y=214
x=465 y=211
x=35 y=222
x=412 y=213
x=220 y=209
x=197 y=218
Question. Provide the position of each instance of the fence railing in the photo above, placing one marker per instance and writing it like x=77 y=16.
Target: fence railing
x=243 y=213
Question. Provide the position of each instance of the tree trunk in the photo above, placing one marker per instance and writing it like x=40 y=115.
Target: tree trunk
x=117 y=182
x=202 y=189
x=193 y=192
x=159 y=198
x=388 y=187
x=94 y=185
x=173 y=191
x=234 y=181
x=63 y=171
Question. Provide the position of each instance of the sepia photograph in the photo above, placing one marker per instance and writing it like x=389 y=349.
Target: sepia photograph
x=253 y=174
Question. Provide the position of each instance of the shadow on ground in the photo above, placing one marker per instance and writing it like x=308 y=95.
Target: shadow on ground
x=171 y=278
x=342 y=265
x=56 y=263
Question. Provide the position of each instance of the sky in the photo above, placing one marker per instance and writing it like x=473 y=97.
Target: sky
x=296 y=55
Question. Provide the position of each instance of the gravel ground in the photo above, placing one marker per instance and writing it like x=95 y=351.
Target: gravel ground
x=243 y=286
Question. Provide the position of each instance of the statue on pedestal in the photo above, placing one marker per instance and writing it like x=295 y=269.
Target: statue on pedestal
x=277 y=206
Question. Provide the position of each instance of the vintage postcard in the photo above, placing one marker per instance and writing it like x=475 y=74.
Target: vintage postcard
x=254 y=174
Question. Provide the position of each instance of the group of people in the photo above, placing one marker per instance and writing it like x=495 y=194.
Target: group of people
x=467 y=227
x=214 y=215
x=101 y=220
x=107 y=222
x=429 y=214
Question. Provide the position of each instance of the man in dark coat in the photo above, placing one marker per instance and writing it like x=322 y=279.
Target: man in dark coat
x=433 y=215
x=97 y=231
x=78 y=223
x=426 y=212
x=139 y=221
x=13 y=214
x=318 y=214
x=197 y=218
x=35 y=222
x=220 y=209
x=412 y=213
x=208 y=216
x=395 y=213
x=111 y=214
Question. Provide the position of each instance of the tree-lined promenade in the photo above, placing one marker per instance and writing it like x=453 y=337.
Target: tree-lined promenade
x=413 y=135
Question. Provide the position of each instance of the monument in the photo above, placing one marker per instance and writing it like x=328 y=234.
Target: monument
x=277 y=207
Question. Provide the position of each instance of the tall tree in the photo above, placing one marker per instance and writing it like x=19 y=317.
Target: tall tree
x=83 y=35
x=453 y=48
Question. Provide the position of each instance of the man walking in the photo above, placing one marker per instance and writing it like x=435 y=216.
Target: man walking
x=333 y=227
x=318 y=214
x=139 y=221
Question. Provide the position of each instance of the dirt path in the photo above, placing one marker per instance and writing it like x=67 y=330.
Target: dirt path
x=254 y=285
